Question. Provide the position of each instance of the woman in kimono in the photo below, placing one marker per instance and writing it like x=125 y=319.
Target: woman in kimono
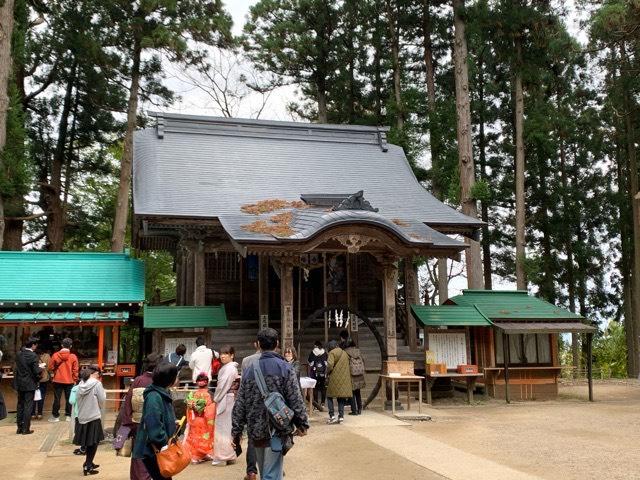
x=201 y=414
x=225 y=396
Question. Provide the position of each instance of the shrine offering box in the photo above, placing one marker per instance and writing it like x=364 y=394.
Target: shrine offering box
x=397 y=366
x=436 y=369
x=467 y=369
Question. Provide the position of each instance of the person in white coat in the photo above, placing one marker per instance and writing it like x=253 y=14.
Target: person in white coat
x=201 y=358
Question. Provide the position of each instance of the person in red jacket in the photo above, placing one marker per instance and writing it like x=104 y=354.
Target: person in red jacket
x=64 y=366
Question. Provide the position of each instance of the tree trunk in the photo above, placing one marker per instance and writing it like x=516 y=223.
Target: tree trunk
x=13 y=235
x=377 y=67
x=635 y=209
x=568 y=246
x=322 y=106
x=434 y=142
x=122 y=202
x=484 y=207
x=6 y=31
x=625 y=263
x=465 y=154
x=521 y=279
x=547 y=287
x=55 y=212
x=395 y=60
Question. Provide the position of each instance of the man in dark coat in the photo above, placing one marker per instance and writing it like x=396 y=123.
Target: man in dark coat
x=250 y=411
x=26 y=381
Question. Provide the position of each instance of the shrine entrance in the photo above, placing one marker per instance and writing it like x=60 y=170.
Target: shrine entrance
x=336 y=318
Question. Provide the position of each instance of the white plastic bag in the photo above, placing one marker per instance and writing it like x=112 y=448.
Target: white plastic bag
x=37 y=396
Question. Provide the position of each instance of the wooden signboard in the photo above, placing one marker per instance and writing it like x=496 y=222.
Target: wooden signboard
x=449 y=347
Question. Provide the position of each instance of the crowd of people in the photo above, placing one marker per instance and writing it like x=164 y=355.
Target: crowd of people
x=216 y=419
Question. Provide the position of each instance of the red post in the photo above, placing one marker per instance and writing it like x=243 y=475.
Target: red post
x=100 y=346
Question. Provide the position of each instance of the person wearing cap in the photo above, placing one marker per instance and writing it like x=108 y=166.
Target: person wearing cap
x=90 y=400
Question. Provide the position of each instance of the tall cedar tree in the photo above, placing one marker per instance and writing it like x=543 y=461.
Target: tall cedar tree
x=150 y=28
x=296 y=39
x=6 y=30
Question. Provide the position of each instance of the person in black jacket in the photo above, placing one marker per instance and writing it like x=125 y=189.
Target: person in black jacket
x=249 y=409
x=26 y=381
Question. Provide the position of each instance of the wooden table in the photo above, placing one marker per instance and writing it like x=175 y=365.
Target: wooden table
x=469 y=377
x=307 y=386
x=408 y=379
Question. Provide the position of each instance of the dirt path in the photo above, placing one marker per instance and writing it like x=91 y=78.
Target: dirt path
x=568 y=439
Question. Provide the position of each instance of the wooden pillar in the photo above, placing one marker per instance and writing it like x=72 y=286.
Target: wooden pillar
x=286 y=303
x=182 y=275
x=324 y=300
x=263 y=291
x=199 y=275
x=590 y=364
x=189 y=277
x=100 y=346
x=352 y=294
x=443 y=280
x=506 y=353
x=412 y=297
x=389 y=286
x=179 y=289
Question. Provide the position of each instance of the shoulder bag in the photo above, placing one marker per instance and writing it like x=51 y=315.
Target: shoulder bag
x=176 y=457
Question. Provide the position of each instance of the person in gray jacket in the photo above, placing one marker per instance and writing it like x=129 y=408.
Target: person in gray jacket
x=90 y=400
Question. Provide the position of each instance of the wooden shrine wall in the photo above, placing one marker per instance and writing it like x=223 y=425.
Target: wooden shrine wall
x=234 y=281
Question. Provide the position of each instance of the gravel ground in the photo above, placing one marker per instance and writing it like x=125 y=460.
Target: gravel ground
x=569 y=438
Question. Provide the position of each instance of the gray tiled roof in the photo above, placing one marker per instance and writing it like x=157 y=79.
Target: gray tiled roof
x=209 y=167
x=308 y=222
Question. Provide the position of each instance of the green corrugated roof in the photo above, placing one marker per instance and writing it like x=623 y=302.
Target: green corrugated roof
x=512 y=305
x=449 y=315
x=185 y=317
x=42 y=277
x=51 y=316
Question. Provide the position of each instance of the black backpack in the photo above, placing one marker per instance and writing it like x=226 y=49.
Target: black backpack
x=319 y=367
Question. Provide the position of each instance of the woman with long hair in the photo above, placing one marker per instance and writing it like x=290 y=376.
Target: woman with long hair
x=90 y=399
x=291 y=356
x=201 y=417
x=225 y=396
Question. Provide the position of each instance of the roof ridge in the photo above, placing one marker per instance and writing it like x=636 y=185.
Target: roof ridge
x=183 y=123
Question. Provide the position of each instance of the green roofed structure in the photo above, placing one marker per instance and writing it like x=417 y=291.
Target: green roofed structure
x=493 y=319
x=432 y=316
x=82 y=295
x=184 y=317
x=60 y=279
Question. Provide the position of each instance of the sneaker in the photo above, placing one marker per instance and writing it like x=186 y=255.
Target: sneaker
x=340 y=419
x=218 y=462
x=67 y=419
x=54 y=420
x=332 y=420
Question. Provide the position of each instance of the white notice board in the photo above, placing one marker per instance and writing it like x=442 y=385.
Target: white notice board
x=170 y=345
x=450 y=348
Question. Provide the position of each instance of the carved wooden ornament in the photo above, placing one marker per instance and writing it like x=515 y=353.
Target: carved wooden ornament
x=354 y=243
